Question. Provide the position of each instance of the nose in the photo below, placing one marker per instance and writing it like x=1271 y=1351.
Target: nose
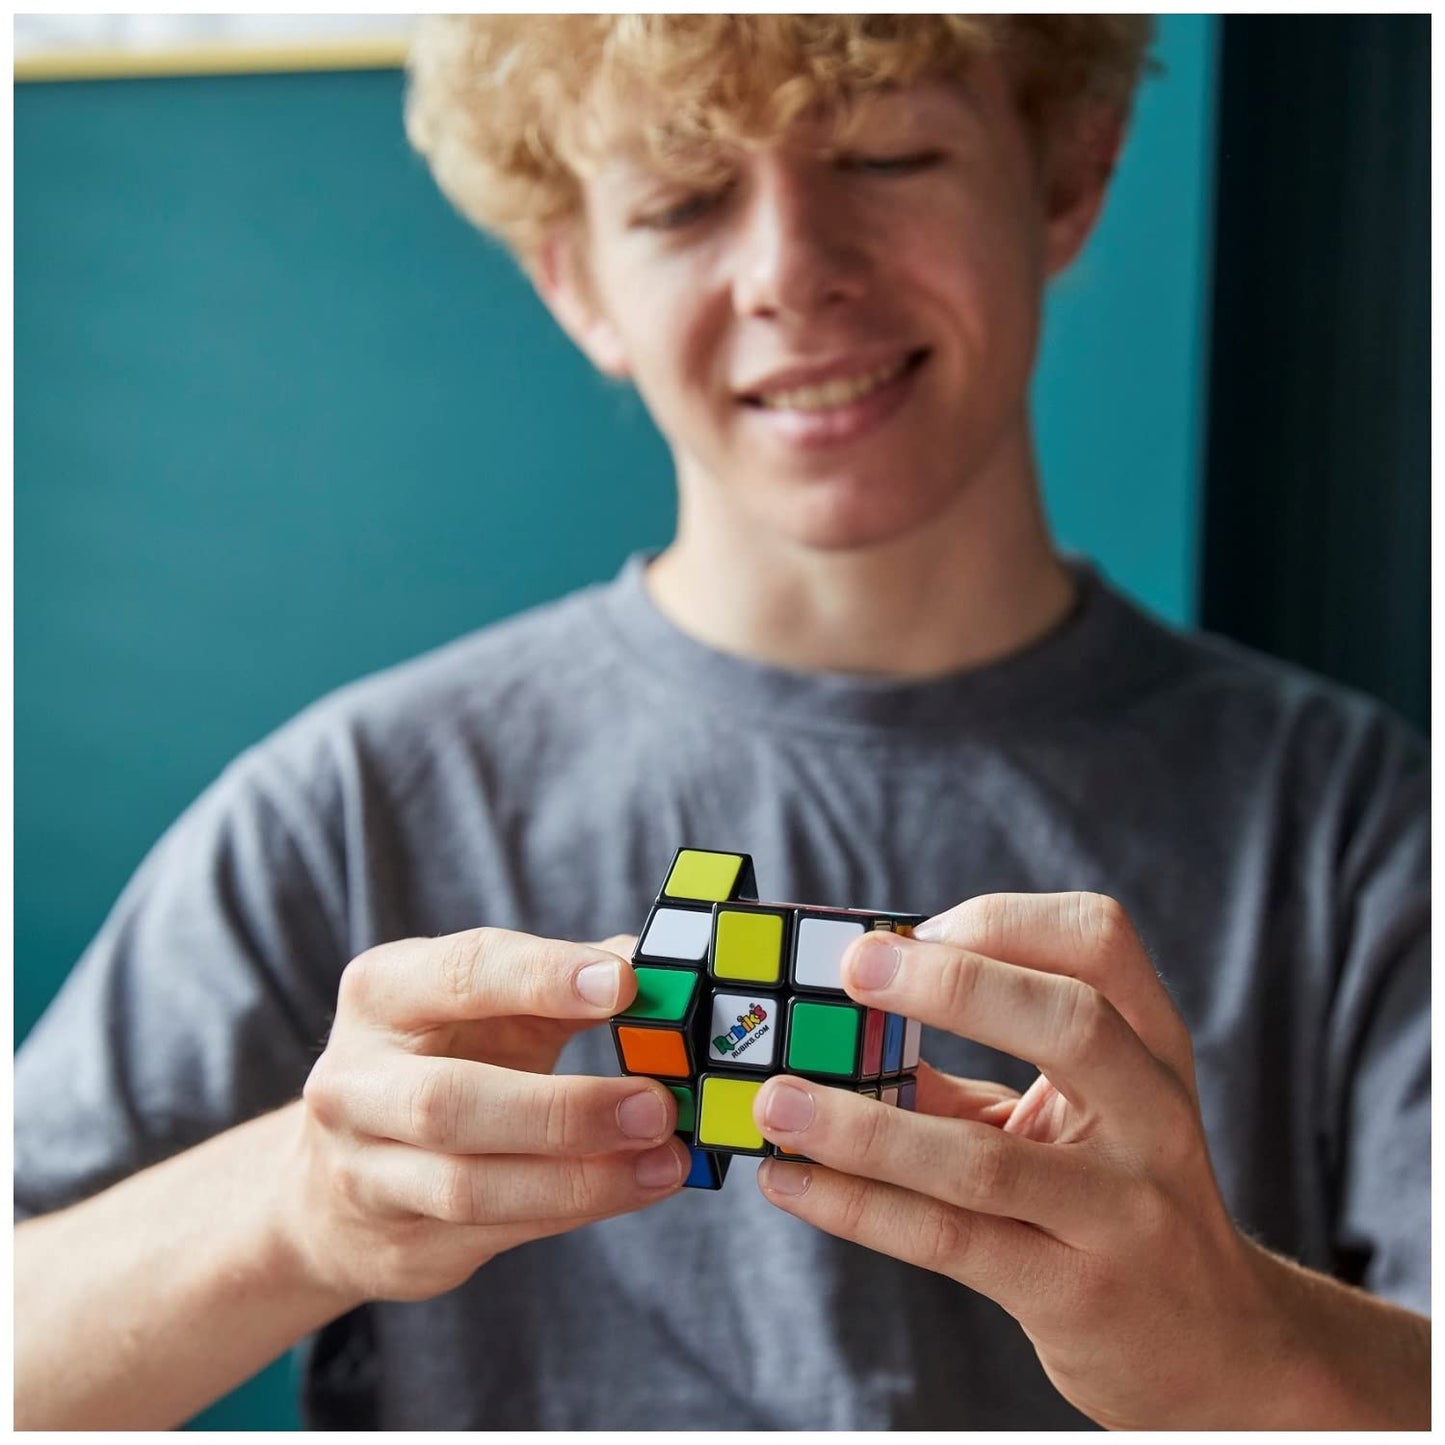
x=798 y=253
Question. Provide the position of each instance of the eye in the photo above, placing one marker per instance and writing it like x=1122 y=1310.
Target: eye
x=684 y=213
x=890 y=165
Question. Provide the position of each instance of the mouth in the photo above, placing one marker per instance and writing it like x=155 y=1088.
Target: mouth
x=838 y=393
x=844 y=411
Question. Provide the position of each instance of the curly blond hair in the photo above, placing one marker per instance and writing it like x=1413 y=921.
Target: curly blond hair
x=505 y=107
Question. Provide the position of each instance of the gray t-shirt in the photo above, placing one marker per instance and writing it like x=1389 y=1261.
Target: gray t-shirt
x=1267 y=832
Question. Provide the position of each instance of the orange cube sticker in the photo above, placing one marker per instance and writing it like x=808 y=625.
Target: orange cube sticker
x=654 y=1051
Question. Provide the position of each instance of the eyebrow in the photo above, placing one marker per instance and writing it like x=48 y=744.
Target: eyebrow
x=632 y=168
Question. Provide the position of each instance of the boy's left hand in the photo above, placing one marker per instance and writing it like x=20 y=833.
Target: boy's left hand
x=1087 y=1207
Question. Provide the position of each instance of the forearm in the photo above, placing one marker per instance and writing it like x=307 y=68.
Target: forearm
x=144 y=1304
x=1347 y=1359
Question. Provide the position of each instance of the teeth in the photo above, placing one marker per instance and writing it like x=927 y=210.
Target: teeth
x=832 y=393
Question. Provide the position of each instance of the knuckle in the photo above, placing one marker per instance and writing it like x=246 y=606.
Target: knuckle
x=944 y=1236
x=538 y=974
x=959 y=982
x=355 y=988
x=1087 y=1291
x=1149 y=1213
x=558 y=1122
x=872 y=1132
x=346 y=1183
x=454 y=1193
x=583 y=1188
x=1103 y=925
x=459 y=964
x=980 y=919
x=320 y=1095
x=992 y=1173
x=853 y=1209
x=1088 y=1024
x=434 y=1108
x=518 y=967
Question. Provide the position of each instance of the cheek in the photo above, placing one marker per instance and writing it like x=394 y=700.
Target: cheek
x=677 y=370
x=986 y=294
x=685 y=344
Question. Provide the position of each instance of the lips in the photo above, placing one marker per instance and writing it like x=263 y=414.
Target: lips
x=831 y=386
x=819 y=429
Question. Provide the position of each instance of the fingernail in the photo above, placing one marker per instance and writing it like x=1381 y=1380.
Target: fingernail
x=659 y=1168
x=930 y=930
x=780 y=1178
x=641 y=1116
x=789 y=1109
x=875 y=963
x=599 y=984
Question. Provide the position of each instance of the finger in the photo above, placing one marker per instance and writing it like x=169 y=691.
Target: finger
x=998 y=1257
x=500 y=1189
x=459 y=1106
x=950 y=1097
x=417 y=983
x=1067 y=1029
x=501 y=1237
x=624 y=945
x=1087 y=936
x=971 y=1166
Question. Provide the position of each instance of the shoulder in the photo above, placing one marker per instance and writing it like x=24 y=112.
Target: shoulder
x=1266 y=745
x=1220 y=696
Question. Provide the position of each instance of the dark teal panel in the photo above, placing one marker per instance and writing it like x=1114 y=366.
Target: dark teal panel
x=265 y=1402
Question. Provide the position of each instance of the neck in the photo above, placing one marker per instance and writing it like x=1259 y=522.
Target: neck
x=966 y=588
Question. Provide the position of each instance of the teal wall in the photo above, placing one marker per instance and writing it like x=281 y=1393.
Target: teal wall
x=281 y=419
x=1120 y=390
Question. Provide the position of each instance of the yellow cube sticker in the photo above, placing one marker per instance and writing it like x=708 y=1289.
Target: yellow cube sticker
x=725 y=1114
x=706 y=877
x=749 y=946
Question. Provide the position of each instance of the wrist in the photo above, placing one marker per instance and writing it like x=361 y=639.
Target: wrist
x=1335 y=1357
x=293 y=1245
x=1281 y=1384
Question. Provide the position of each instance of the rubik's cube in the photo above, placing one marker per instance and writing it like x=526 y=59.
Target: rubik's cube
x=731 y=990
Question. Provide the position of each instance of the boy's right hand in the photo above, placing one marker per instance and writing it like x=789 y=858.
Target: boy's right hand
x=433 y=1133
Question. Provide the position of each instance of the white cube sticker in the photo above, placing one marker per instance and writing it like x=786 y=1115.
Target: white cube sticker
x=819 y=958
x=677 y=933
x=912 y=1042
x=744 y=1030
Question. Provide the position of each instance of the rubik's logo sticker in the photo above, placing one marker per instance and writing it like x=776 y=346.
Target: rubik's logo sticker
x=731 y=990
x=744 y=1038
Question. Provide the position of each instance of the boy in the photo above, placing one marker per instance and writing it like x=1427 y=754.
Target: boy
x=817 y=246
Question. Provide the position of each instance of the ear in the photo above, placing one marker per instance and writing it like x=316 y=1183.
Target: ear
x=1077 y=174
x=560 y=275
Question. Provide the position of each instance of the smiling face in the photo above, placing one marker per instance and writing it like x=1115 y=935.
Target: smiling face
x=835 y=336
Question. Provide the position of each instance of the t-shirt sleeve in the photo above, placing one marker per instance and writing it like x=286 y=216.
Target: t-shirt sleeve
x=202 y=1002
x=1377 y=1094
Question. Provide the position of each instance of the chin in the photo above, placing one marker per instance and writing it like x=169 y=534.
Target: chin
x=845 y=521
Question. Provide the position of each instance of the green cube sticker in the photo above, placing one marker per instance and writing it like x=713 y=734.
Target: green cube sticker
x=686 y=1108
x=662 y=993
x=706 y=877
x=823 y=1038
x=749 y=946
